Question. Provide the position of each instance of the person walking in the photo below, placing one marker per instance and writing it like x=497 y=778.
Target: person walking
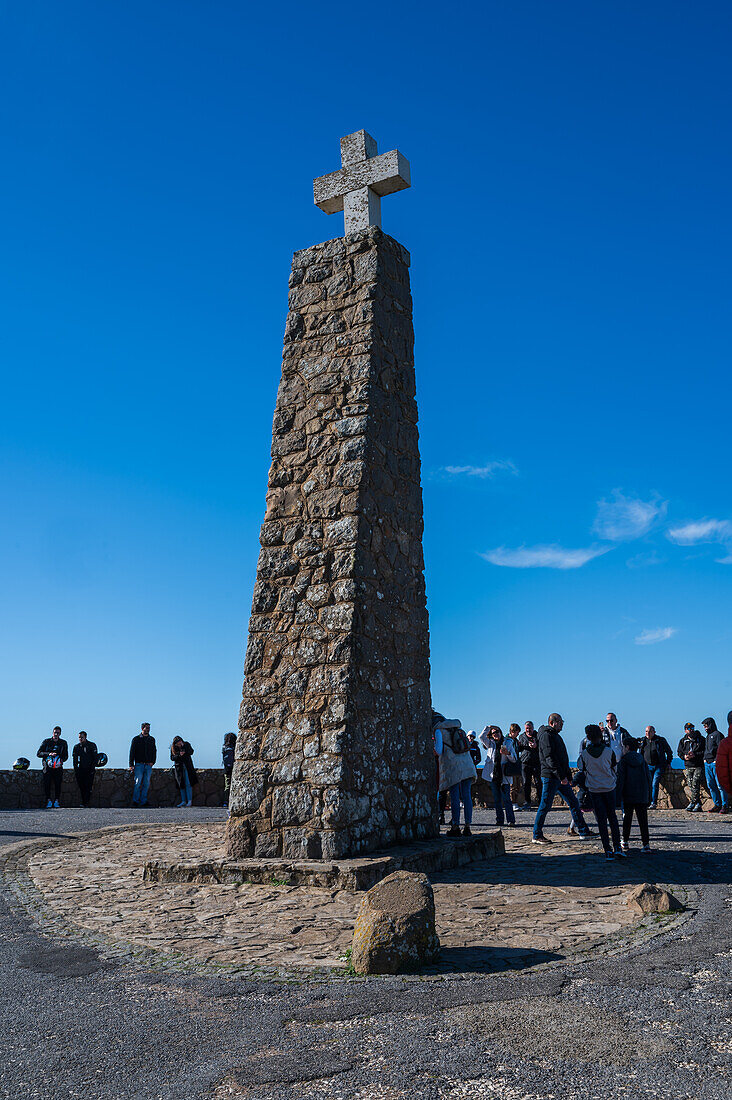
x=555 y=779
x=499 y=754
x=691 y=750
x=228 y=752
x=724 y=763
x=181 y=753
x=143 y=754
x=84 y=756
x=597 y=765
x=657 y=754
x=54 y=752
x=634 y=783
x=713 y=739
x=528 y=750
x=457 y=772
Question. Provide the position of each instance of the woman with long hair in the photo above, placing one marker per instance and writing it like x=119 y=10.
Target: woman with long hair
x=181 y=753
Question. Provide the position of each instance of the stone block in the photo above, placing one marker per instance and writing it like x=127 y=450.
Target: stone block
x=395 y=928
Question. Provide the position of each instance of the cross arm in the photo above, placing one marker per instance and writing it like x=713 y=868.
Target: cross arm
x=384 y=174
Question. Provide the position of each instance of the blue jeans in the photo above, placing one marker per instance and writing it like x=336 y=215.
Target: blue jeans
x=142 y=782
x=655 y=775
x=186 y=791
x=502 y=800
x=461 y=793
x=549 y=788
x=603 y=805
x=718 y=796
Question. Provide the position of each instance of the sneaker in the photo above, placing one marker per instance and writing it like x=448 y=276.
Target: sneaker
x=690 y=807
x=653 y=806
x=572 y=829
x=49 y=805
x=724 y=810
x=515 y=807
x=696 y=809
x=454 y=830
x=181 y=804
x=624 y=846
x=541 y=839
x=714 y=810
x=466 y=831
x=620 y=853
x=56 y=805
x=646 y=848
x=609 y=855
x=586 y=836
x=510 y=824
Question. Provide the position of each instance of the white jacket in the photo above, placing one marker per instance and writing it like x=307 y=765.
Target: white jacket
x=491 y=749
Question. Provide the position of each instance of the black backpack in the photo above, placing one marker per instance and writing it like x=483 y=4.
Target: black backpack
x=459 y=741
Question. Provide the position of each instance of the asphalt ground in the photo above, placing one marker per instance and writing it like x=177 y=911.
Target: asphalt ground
x=654 y=1022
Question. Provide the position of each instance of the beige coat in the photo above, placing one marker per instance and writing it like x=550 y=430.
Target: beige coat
x=454 y=766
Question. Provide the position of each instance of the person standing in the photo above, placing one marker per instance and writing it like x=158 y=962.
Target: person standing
x=515 y=779
x=691 y=750
x=143 y=755
x=555 y=779
x=614 y=734
x=714 y=738
x=635 y=791
x=84 y=756
x=528 y=748
x=474 y=749
x=181 y=753
x=657 y=754
x=457 y=772
x=54 y=752
x=228 y=753
x=597 y=765
x=499 y=754
x=724 y=763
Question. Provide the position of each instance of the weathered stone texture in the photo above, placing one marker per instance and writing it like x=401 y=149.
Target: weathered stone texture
x=334 y=755
x=395 y=928
x=112 y=787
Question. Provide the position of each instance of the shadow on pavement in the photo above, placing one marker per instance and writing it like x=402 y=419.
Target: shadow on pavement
x=481 y=960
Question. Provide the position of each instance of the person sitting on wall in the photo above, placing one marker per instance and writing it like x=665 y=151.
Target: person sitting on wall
x=85 y=761
x=53 y=752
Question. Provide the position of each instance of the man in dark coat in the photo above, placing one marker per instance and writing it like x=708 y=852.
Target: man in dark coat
x=528 y=746
x=657 y=754
x=691 y=750
x=713 y=740
x=555 y=779
x=85 y=761
x=143 y=755
x=53 y=752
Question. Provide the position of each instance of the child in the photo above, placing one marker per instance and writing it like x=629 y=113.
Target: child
x=634 y=788
x=227 y=755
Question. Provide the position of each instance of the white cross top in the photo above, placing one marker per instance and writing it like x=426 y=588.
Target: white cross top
x=357 y=187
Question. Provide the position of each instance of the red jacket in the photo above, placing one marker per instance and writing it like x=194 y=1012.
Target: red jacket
x=724 y=763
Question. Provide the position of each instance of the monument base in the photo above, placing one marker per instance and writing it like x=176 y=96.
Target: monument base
x=360 y=873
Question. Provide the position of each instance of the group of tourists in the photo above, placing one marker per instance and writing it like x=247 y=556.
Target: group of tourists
x=615 y=771
x=54 y=753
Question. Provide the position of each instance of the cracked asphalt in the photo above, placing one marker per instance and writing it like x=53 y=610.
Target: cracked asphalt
x=653 y=1022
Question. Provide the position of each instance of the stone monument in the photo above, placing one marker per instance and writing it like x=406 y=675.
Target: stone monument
x=335 y=756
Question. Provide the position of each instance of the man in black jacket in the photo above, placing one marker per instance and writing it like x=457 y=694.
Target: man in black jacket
x=85 y=761
x=555 y=779
x=691 y=750
x=657 y=754
x=53 y=752
x=143 y=755
x=713 y=739
x=528 y=746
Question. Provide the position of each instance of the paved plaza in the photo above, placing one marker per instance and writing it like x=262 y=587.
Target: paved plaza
x=548 y=983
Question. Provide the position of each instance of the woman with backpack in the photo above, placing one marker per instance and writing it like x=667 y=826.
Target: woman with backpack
x=500 y=767
x=181 y=753
x=457 y=772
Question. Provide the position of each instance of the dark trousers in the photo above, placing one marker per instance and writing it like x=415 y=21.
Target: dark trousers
x=85 y=779
x=641 y=813
x=52 y=778
x=442 y=802
x=530 y=773
x=603 y=805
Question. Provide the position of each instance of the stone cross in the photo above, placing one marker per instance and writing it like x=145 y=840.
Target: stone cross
x=357 y=187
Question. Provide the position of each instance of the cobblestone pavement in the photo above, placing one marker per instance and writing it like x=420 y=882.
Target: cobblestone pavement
x=643 y=1013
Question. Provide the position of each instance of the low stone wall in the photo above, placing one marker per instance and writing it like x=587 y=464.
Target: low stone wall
x=112 y=787
x=673 y=793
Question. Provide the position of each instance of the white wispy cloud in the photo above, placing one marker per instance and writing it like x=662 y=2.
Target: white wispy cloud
x=543 y=557
x=660 y=634
x=702 y=530
x=498 y=466
x=644 y=559
x=622 y=517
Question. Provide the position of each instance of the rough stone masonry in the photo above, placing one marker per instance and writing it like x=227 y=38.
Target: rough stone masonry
x=335 y=754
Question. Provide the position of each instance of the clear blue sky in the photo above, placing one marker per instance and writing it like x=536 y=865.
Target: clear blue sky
x=570 y=231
